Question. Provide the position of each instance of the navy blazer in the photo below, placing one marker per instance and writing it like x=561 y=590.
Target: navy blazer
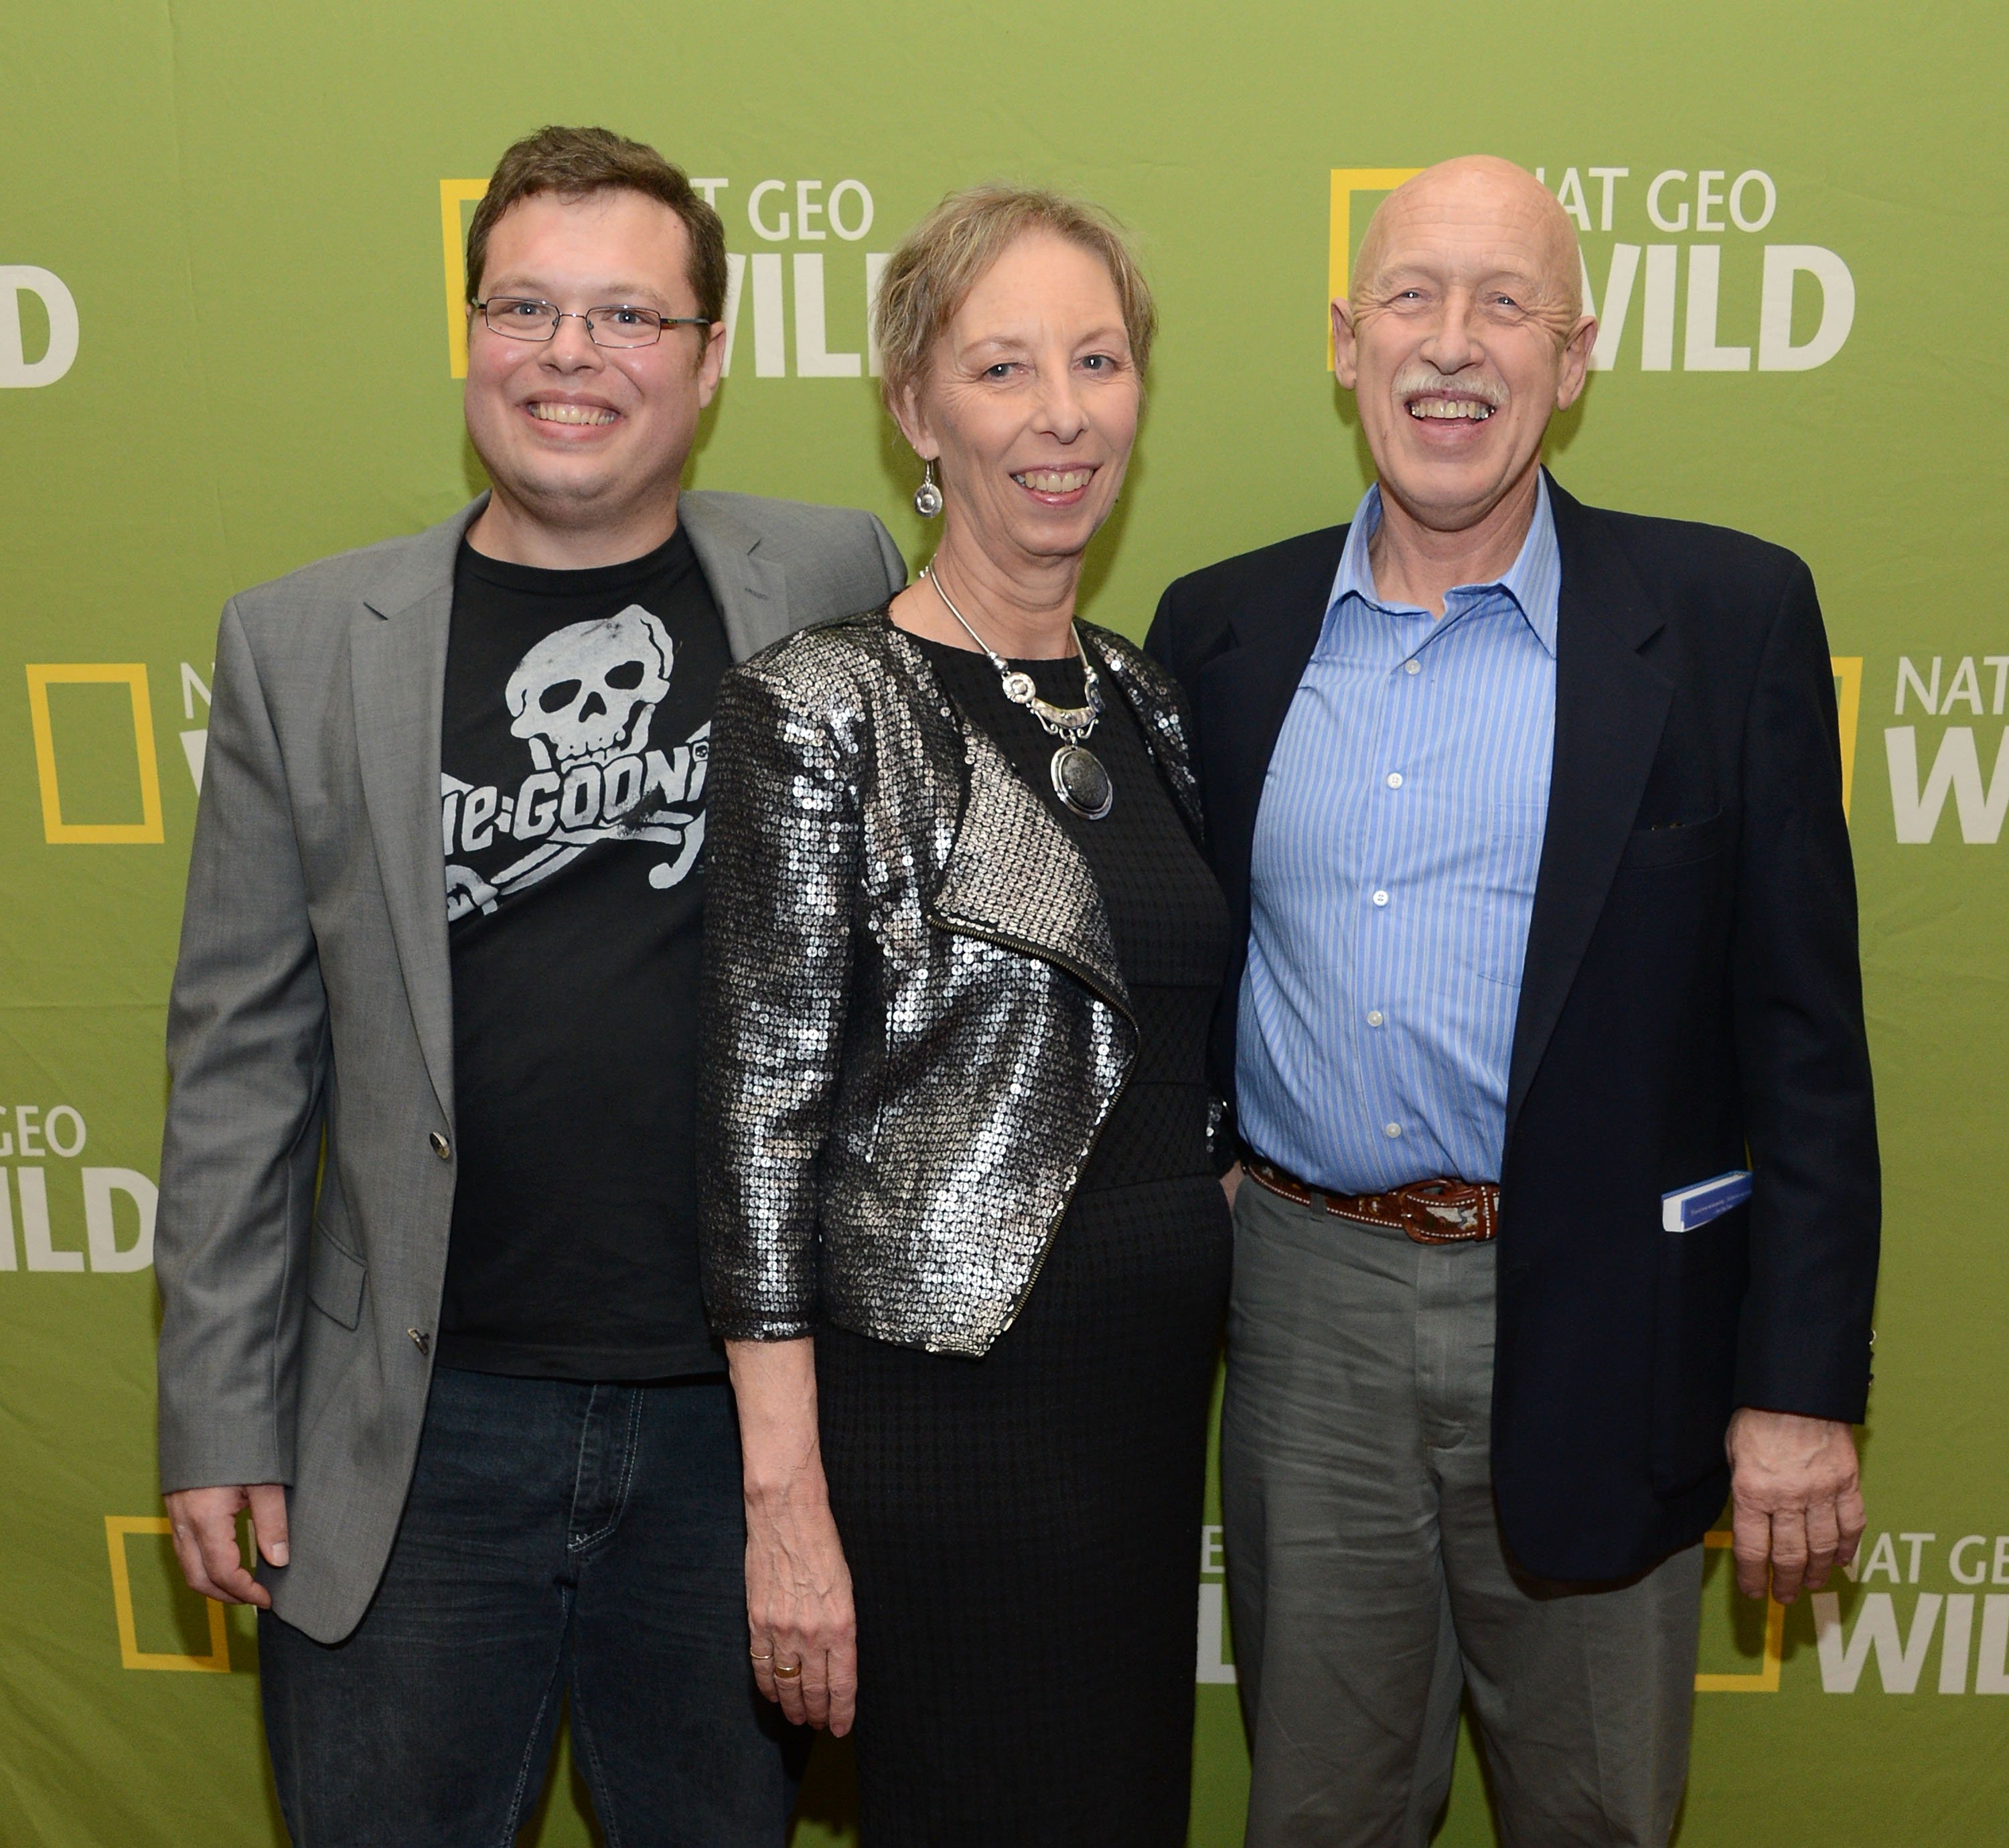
x=1691 y=990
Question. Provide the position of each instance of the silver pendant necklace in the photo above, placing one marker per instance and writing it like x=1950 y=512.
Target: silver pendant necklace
x=1079 y=779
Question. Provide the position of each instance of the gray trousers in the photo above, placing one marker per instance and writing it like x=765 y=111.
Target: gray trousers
x=1368 y=1583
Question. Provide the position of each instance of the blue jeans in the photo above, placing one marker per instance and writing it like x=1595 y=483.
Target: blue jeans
x=562 y=1543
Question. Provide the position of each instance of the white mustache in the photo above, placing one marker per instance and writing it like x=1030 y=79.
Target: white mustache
x=1414 y=379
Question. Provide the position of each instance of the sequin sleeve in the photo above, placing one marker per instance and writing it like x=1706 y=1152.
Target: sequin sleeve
x=782 y=845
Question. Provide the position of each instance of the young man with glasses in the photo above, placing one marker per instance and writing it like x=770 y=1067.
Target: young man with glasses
x=427 y=1237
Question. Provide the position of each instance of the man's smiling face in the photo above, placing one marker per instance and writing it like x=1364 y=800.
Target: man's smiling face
x=576 y=434
x=1463 y=335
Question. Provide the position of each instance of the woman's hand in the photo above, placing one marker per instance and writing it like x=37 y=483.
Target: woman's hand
x=802 y=1629
x=798 y=1613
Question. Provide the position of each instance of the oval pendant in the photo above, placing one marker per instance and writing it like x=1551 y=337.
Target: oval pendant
x=1082 y=783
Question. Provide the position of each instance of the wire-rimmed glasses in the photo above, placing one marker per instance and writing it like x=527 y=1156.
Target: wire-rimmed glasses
x=523 y=318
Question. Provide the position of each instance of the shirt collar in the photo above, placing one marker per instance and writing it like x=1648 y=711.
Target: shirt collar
x=1534 y=580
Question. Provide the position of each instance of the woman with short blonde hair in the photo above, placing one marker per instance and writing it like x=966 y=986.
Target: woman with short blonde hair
x=963 y=1238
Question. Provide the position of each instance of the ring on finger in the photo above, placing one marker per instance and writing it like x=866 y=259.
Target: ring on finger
x=787 y=1671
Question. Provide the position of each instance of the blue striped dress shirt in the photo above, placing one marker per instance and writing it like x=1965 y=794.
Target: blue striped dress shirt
x=1393 y=877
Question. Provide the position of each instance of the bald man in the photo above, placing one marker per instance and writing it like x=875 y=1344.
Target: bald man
x=1560 y=1219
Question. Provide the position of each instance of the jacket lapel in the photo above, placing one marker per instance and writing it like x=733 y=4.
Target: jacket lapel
x=1012 y=876
x=751 y=590
x=397 y=680
x=1241 y=699
x=1610 y=708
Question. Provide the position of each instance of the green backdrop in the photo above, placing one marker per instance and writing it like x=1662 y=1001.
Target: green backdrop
x=1799 y=207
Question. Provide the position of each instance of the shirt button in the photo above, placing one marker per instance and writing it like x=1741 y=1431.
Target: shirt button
x=1394 y=779
x=1374 y=1016
x=1412 y=667
x=1380 y=898
x=441 y=1147
x=1391 y=1130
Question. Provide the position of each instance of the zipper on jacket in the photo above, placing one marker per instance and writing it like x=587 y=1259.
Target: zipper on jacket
x=1046 y=1245
x=1039 y=952
x=1088 y=980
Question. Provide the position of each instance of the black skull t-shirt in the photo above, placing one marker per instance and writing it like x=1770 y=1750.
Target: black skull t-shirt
x=575 y=731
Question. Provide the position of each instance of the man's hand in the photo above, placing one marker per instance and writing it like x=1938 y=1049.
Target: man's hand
x=1795 y=1499
x=205 y=1524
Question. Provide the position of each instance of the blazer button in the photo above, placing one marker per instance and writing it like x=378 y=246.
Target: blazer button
x=420 y=1340
x=441 y=1147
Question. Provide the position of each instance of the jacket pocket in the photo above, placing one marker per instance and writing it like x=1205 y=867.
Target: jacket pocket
x=335 y=1279
x=1701 y=1297
x=1652 y=848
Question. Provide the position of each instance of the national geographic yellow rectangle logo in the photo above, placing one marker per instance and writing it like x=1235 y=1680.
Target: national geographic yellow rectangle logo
x=1347 y=181
x=455 y=193
x=149 y=830
x=1848 y=711
x=1765 y=1679
x=117 y=1529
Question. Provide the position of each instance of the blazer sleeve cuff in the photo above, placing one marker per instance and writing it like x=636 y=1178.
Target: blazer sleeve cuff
x=1839 y=1392
x=221 y=1455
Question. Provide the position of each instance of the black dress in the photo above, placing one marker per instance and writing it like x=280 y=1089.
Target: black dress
x=1023 y=1529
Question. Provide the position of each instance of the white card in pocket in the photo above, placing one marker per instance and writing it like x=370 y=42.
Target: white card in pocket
x=1687 y=1208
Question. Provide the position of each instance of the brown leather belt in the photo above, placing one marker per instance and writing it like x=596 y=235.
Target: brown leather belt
x=1438 y=1212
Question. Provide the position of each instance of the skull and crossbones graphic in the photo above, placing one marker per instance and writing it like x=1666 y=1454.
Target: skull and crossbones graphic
x=582 y=701
x=587 y=692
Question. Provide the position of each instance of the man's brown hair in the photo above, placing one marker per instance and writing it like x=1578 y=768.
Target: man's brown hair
x=575 y=164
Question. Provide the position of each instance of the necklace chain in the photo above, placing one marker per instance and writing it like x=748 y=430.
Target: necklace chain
x=1072 y=723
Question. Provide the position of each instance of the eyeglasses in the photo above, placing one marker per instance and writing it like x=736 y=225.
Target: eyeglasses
x=521 y=318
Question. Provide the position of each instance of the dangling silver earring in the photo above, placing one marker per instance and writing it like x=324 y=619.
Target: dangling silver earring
x=928 y=496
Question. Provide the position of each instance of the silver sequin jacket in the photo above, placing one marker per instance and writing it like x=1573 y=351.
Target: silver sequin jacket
x=914 y=1026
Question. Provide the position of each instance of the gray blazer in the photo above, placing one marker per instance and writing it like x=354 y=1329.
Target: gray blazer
x=307 y=1175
